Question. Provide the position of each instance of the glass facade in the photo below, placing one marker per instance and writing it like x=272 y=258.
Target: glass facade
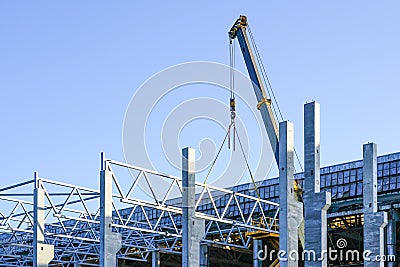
x=343 y=181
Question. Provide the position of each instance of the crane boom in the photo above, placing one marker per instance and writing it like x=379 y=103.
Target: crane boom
x=238 y=31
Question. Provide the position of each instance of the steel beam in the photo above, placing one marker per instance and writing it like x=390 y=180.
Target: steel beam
x=374 y=221
x=42 y=253
x=316 y=203
x=192 y=228
x=291 y=211
x=110 y=242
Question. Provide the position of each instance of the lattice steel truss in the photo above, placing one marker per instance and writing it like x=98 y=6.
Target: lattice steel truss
x=153 y=223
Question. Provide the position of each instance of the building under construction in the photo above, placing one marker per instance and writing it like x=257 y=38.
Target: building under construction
x=341 y=215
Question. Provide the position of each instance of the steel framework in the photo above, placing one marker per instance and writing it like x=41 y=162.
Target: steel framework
x=72 y=213
x=73 y=217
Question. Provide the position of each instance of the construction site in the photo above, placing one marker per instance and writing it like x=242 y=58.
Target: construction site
x=340 y=215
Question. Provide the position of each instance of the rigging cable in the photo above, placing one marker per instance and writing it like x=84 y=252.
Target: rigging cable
x=232 y=101
x=269 y=87
x=244 y=156
x=233 y=111
x=264 y=75
x=219 y=152
x=248 y=166
x=232 y=124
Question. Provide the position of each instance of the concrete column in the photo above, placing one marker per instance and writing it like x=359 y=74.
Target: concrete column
x=374 y=221
x=204 y=261
x=316 y=203
x=110 y=242
x=291 y=211
x=257 y=246
x=155 y=259
x=42 y=253
x=192 y=228
x=391 y=237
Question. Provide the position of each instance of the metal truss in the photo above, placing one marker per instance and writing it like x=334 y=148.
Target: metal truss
x=72 y=218
x=157 y=222
x=71 y=223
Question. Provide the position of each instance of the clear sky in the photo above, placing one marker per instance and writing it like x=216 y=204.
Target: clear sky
x=68 y=70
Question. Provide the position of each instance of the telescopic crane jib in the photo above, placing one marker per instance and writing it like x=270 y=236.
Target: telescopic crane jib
x=238 y=31
x=261 y=85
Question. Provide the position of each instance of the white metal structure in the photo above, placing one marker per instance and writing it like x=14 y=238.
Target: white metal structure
x=72 y=218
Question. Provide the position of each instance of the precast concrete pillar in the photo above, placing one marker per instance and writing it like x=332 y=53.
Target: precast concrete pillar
x=374 y=221
x=110 y=242
x=192 y=228
x=42 y=253
x=290 y=210
x=316 y=203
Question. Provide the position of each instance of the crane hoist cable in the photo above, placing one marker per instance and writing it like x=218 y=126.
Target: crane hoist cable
x=232 y=100
x=232 y=107
x=232 y=125
x=232 y=104
x=232 y=66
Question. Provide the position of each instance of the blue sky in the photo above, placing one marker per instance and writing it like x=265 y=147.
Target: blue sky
x=68 y=70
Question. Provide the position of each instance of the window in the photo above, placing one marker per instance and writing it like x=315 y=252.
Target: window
x=339 y=177
x=398 y=167
x=392 y=168
x=271 y=191
x=266 y=193
x=276 y=190
x=386 y=169
x=346 y=179
x=333 y=179
x=380 y=185
x=359 y=188
x=346 y=191
x=353 y=190
x=380 y=170
x=322 y=180
x=334 y=192
x=261 y=191
x=385 y=183
x=340 y=192
x=359 y=174
x=353 y=175
x=393 y=182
